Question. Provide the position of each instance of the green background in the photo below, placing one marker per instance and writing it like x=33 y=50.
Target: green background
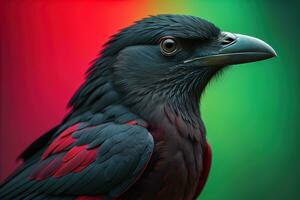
x=251 y=111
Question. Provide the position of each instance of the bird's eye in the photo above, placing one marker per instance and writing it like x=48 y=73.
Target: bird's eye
x=168 y=46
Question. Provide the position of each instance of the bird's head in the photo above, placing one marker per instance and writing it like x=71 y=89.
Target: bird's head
x=171 y=58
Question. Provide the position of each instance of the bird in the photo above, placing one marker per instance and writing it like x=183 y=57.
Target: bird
x=134 y=129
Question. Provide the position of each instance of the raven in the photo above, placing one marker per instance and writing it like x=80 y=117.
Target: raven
x=135 y=130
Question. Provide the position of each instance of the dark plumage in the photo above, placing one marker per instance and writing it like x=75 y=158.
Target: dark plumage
x=134 y=130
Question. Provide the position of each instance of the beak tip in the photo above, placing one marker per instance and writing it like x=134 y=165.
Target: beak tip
x=274 y=54
x=270 y=51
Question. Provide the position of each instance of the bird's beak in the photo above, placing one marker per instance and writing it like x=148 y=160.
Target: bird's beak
x=236 y=49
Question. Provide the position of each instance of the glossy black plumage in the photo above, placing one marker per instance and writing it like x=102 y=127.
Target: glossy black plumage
x=137 y=109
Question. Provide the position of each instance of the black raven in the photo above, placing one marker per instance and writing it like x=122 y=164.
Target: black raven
x=135 y=130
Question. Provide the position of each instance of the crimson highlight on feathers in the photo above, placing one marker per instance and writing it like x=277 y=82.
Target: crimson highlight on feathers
x=69 y=160
x=207 y=158
x=61 y=142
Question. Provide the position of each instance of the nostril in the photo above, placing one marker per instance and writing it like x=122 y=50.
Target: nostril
x=227 y=38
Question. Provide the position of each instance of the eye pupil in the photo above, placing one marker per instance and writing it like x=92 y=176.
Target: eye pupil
x=168 y=46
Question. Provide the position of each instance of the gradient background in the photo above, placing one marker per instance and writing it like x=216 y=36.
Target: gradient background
x=251 y=112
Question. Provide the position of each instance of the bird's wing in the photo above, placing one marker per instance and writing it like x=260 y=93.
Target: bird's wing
x=101 y=160
x=206 y=169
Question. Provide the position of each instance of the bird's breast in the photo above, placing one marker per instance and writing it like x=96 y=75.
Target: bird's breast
x=173 y=171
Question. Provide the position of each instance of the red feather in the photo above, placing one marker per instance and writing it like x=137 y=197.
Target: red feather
x=206 y=168
x=49 y=170
x=70 y=160
x=62 y=141
x=73 y=152
x=133 y=122
x=69 y=130
x=46 y=169
x=75 y=160
x=89 y=158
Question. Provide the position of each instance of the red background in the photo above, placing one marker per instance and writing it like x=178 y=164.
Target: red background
x=46 y=47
